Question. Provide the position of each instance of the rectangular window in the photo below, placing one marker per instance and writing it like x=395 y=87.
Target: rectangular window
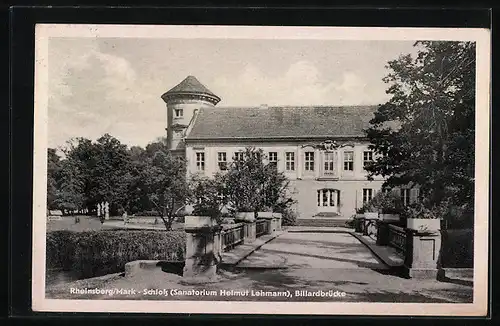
x=179 y=113
x=329 y=162
x=239 y=156
x=367 y=195
x=200 y=161
x=290 y=161
x=222 y=161
x=273 y=159
x=367 y=158
x=349 y=161
x=309 y=160
x=405 y=196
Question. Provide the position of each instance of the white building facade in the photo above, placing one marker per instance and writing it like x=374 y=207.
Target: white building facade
x=322 y=150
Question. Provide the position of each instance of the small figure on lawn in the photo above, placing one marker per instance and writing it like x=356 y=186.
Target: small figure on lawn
x=77 y=219
x=125 y=217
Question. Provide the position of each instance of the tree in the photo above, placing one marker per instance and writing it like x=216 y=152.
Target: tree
x=210 y=196
x=165 y=184
x=425 y=133
x=69 y=196
x=109 y=173
x=53 y=170
x=254 y=185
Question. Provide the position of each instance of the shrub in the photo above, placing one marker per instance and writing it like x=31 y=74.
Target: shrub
x=383 y=202
x=289 y=217
x=60 y=249
x=147 y=213
x=96 y=253
x=457 y=249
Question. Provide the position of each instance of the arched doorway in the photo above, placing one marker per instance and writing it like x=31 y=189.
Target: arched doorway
x=328 y=200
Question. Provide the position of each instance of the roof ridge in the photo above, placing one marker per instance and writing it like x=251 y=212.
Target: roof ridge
x=300 y=106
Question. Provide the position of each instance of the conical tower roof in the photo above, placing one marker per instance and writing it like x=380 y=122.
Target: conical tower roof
x=191 y=86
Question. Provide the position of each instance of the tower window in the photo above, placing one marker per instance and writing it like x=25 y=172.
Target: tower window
x=179 y=113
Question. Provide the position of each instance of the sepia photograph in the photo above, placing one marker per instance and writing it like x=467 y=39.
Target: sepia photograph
x=270 y=170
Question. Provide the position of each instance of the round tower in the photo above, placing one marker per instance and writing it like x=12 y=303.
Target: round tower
x=183 y=102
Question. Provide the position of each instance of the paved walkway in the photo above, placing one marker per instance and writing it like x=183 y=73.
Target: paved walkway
x=314 y=250
x=292 y=262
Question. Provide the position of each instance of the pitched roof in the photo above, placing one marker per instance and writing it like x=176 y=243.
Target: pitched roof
x=281 y=122
x=190 y=85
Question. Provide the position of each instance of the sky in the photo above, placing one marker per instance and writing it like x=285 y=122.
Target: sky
x=114 y=85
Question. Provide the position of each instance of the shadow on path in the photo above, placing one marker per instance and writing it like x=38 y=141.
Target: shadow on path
x=361 y=264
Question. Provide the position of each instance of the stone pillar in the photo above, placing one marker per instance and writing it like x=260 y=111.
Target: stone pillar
x=422 y=254
x=271 y=220
x=250 y=232
x=250 y=225
x=279 y=220
x=382 y=233
x=203 y=248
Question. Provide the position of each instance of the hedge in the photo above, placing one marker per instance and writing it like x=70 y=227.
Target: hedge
x=97 y=253
x=457 y=250
x=289 y=217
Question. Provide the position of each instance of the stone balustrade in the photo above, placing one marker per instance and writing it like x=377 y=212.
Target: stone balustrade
x=205 y=241
x=420 y=249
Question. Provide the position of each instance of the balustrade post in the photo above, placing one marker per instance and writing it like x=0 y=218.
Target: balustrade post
x=250 y=226
x=203 y=248
x=382 y=233
x=422 y=254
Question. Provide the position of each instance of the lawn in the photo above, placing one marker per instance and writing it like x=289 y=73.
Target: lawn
x=92 y=223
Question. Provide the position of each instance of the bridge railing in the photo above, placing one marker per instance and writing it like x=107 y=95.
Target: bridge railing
x=232 y=236
x=397 y=238
x=262 y=227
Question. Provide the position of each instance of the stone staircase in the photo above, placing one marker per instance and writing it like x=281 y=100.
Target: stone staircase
x=323 y=220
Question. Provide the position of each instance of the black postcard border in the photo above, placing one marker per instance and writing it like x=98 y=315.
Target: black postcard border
x=22 y=23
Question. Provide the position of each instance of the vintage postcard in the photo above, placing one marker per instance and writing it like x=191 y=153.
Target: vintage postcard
x=269 y=170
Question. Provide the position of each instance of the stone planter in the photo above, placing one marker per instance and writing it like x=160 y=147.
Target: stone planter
x=371 y=216
x=279 y=219
x=389 y=217
x=250 y=225
x=203 y=248
x=245 y=216
x=192 y=221
x=422 y=254
x=423 y=225
x=265 y=214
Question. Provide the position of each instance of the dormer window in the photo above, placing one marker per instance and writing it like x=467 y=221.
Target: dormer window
x=179 y=113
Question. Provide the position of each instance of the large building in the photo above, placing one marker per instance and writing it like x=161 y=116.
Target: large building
x=321 y=149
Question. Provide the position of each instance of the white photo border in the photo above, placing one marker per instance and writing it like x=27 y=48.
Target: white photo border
x=479 y=307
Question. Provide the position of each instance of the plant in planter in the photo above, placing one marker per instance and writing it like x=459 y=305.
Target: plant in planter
x=370 y=210
x=422 y=217
x=389 y=205
x=246 y=178
x=209 y=198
